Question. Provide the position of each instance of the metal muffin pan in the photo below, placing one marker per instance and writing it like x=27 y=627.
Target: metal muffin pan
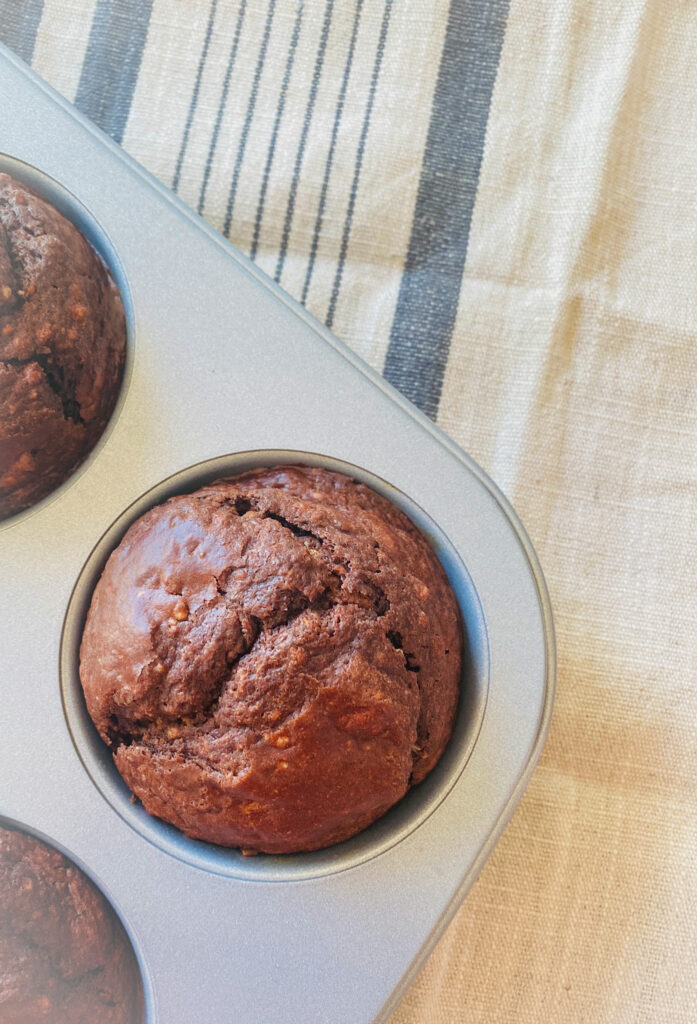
x=224 y=372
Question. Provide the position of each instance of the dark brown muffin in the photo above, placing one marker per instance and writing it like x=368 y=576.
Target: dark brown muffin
x=64 y=956
x=274 y=659
x=62 y=347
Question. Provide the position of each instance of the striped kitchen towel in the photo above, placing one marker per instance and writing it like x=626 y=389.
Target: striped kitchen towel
x=325 y=138
x=493 y=203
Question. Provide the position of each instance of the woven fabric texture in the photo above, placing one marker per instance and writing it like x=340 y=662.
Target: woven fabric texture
x=493 y=203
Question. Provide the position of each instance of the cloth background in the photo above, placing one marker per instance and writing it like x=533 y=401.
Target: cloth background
x=495 y=205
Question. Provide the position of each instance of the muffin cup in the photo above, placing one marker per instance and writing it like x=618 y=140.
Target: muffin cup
x=405 y=816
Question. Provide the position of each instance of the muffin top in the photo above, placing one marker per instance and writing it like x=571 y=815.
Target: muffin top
x=62 y=347
x=273 y=659
x=63 y=954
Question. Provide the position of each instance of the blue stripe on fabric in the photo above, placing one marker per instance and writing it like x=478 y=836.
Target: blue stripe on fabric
x=194 y=96
x=276 y=125
x=248 y=118
x=348 y=220
x=221 y=105
x=427 y=305
x=307 y=121
x=112 y=62
x=19 y=24
x=330 y=153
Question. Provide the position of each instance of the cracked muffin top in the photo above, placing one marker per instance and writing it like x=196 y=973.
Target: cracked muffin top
x=63 y=953
x=274 y=659
x=62 y=347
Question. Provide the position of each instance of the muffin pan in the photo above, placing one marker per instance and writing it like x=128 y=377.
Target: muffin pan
x=226 y=372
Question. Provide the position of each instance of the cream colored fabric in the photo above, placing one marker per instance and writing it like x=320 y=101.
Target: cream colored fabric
x=573 y=380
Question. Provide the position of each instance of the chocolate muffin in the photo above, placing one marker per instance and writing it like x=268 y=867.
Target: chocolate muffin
x=64 y=956
x=273 y=659
x=62 y=347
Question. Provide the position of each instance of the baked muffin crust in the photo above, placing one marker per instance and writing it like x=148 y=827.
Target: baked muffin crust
x=273 y=659
x=63 y=954
x=62 y=347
